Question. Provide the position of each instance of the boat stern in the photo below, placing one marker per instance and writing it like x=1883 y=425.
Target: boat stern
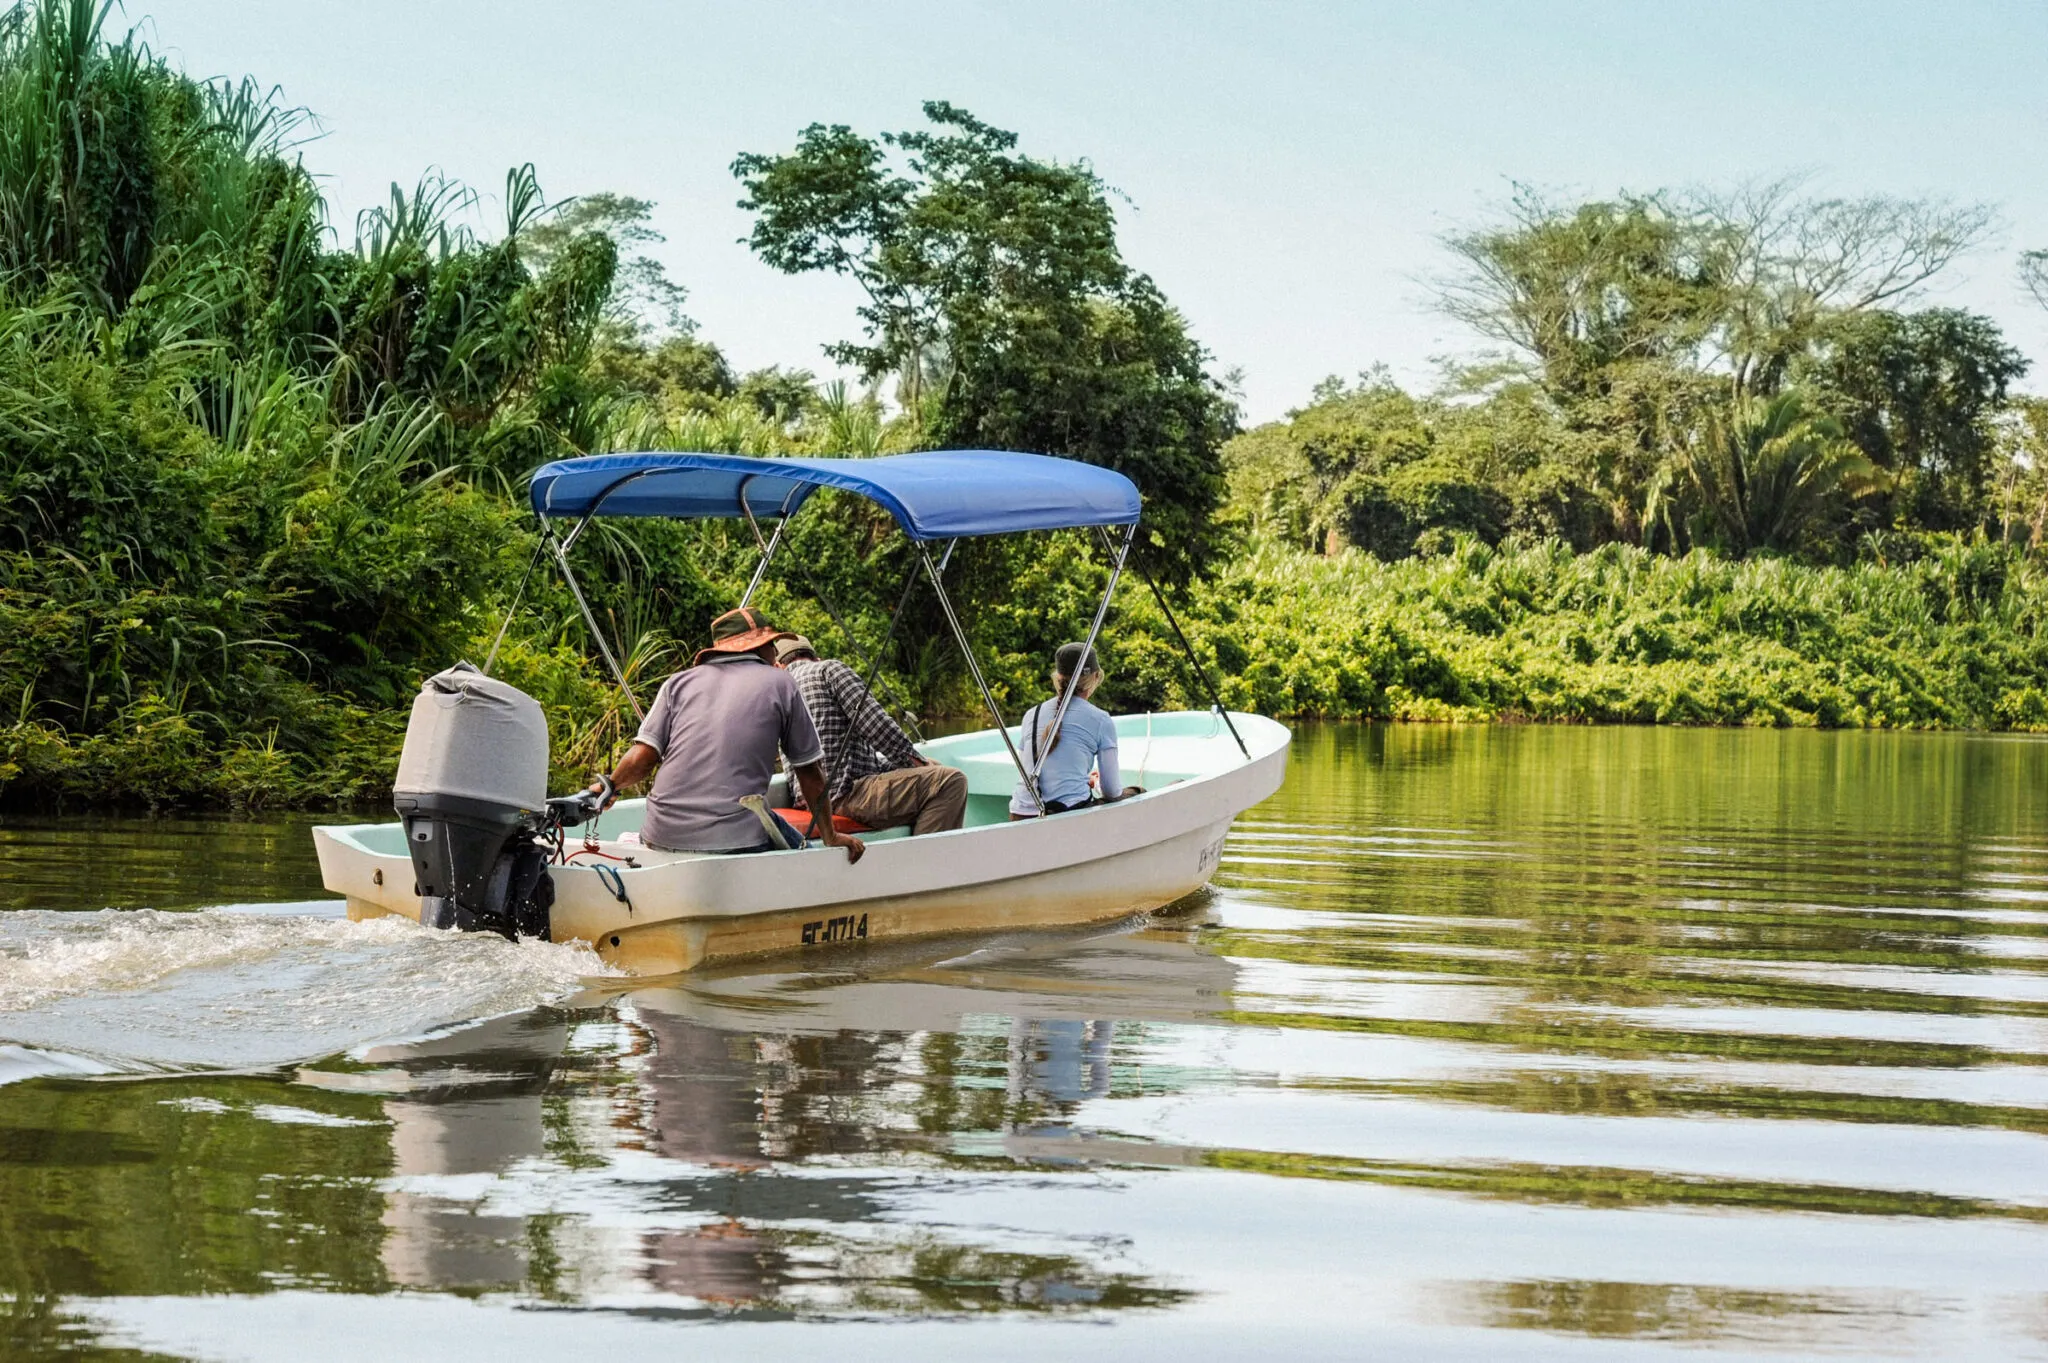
x=368 y=866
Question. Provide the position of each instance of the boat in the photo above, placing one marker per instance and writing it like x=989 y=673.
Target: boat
x=655 y=912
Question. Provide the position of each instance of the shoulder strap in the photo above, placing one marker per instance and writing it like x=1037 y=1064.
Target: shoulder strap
x=1037 y=711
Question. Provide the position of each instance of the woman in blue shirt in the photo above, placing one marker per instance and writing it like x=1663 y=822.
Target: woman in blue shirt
x=1062 y=754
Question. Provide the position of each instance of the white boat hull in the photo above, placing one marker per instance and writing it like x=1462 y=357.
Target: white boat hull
x=682 y=911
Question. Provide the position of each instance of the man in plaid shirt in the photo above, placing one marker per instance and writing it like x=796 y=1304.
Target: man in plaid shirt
x=877 y=778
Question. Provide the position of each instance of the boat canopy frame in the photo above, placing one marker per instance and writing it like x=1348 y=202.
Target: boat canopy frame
x=944 y=495
x=932 y=494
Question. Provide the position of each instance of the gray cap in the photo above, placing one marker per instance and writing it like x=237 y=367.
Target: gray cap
x=1076 y=655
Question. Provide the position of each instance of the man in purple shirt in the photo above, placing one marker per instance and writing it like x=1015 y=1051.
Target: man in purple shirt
x=713 y=733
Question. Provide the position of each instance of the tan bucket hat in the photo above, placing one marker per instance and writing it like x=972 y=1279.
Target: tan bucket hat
x=740 y=631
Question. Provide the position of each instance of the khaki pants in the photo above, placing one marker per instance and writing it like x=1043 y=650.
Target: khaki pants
x=931 y=799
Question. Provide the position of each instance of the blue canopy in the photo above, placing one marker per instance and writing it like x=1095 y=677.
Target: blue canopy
x=933 y=496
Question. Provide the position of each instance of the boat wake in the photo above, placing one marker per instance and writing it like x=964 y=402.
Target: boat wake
x=243 y=987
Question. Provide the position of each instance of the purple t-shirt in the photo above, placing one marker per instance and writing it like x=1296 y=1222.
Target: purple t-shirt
x=717 y=726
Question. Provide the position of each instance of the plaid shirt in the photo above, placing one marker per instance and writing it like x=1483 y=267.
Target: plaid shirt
x=859 y=737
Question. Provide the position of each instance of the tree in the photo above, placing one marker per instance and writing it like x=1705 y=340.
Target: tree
x=1606 y=308
x=424 y=309
x=1302 y=476
x=675 y=372
x=1578 y=292
x=2034 y=275
x=1788 y=267
x=1739 y=282
x=1369 y=466
x=1639 y=315
x=998 y=299
x=1761 y=474
x=784 y=396
x=643 y=299
x=1917 y=393
x=2021 y=473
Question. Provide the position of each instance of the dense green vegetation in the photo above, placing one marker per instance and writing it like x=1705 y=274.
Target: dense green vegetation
x=997 y=294
x=258 y=476
x=1958 y=638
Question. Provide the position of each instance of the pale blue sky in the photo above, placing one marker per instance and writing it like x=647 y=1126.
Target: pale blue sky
x=1290 y=166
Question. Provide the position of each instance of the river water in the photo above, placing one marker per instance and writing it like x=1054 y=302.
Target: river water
x=1487 y=1043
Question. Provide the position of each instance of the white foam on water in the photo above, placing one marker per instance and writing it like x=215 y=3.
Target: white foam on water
x=23 y=1062
x=141 y=989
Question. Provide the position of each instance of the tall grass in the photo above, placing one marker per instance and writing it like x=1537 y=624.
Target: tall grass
x=252 y=483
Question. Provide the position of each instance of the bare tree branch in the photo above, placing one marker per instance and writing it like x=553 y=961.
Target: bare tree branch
x=2034 y=274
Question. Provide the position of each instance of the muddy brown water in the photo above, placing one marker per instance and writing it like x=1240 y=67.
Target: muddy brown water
x=1487 y=1043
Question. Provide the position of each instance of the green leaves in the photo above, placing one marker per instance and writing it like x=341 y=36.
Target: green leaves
x=998 y=300
x=829 y=205
x=1916 y=392
x=1372 y=467
x=1953 y=639
x=1764 y=474
x=251 y=487
x=1639 y=315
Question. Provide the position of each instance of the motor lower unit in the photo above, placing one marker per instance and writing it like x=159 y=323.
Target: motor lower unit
x=472 y=790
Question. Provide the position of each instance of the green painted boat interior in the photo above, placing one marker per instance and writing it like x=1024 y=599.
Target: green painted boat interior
x=1154 y=751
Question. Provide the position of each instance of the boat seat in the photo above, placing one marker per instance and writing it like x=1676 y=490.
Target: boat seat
x=800 y=820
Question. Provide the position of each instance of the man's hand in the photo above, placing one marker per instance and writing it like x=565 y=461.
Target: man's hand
x=855 y=848
x=810 y=778
x=636 y=766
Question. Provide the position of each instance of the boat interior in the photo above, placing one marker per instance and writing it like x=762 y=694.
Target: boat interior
x=1155 y=750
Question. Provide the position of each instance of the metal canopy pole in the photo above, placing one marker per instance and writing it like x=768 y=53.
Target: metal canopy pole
x=747 y=510
x=767 y=557
x=889 y=634
x=768 y=545
x=988 y=697
x=896 y=616
x=873 y=664
x=768 y=552
x=1194 y=663
x=1073 y=686
x=590 y=620
x=539 y=547
x=564 y=544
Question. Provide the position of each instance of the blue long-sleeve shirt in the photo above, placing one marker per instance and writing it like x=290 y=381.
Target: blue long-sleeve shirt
x=1086 y=741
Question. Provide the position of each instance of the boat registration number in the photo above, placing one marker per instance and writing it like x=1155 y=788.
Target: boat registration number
x=846 y=928
x=1211 y=854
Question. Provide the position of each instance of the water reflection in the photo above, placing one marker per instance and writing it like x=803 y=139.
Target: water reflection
x=1887 y=1321
x=652 y=1150
x=475 y=1106
x=99 y=861
x=1487 y=1042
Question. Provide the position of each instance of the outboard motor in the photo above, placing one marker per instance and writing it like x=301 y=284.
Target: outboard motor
x=472 y=789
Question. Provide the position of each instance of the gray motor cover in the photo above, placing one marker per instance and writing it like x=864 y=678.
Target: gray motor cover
x=475 y=737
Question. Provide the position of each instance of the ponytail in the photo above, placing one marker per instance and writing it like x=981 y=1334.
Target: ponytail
x=1075 y=662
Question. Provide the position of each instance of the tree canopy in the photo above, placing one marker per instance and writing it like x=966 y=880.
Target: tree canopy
x=997 y=299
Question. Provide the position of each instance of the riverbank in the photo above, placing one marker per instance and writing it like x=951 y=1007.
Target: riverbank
x=1951 y=639
x=257 y=480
